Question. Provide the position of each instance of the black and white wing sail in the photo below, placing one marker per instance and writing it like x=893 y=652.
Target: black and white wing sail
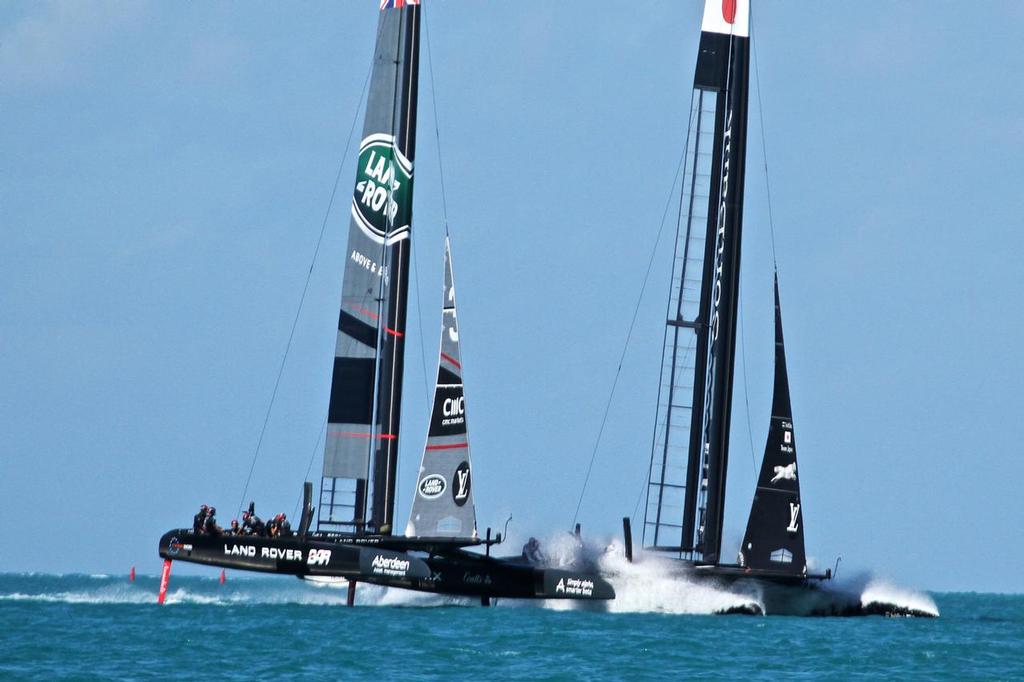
x=361 y=451
x=690 y=449
x=775 y=530
x=442 y=504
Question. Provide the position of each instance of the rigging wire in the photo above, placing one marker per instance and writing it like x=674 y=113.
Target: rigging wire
x=771 y=231
x=437 y=132
x=305 y=289
x=309 y=467
x=746 y=390
x=629 y=336
x=764 y=143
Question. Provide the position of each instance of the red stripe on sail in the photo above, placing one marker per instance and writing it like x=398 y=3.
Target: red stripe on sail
x=364 y=311
x=391 y=331
x=445 y=356
x=450 y=446
x=729 y=11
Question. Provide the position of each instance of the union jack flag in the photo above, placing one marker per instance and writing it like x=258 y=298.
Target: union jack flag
x=397 y=4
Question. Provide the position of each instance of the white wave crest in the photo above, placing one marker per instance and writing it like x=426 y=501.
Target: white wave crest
x=881 y=592
x=654 y=584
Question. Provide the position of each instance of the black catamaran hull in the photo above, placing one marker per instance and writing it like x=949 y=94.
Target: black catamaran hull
x=290 y=556
x=473 y=575
x=458 y=573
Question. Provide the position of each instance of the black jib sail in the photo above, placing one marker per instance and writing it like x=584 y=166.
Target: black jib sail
x=443 y=501
x=690 y=450
x=360 y=456
x=775 y=531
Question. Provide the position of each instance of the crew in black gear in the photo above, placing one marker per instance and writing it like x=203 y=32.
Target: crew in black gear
x=199 y=520
x=284 y=527
x=210 y=527
x=532 y=553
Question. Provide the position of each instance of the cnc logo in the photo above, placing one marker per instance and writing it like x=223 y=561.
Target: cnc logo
x=432 y=486
x=454 y=407
x=382 y=202
x=461 y=484
x=318 y=557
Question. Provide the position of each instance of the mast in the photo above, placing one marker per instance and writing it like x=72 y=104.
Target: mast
x=442 y=505
x=690 y=449
x=361 y=449
x=774 y=538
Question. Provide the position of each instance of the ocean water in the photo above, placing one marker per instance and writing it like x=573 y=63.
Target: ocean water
x=82 y=627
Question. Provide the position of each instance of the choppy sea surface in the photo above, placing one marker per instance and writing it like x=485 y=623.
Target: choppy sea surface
x=81 y=627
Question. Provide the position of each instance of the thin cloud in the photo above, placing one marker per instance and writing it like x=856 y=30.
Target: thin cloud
x=54 y=43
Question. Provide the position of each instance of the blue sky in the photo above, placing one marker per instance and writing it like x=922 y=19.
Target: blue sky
x=166 y=169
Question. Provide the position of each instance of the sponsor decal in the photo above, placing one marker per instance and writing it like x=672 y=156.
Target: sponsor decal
x=794 y=514
x=389 y=565
x=318 y=557
x=382 y=201
x=453 y=410
x=370 y=265
x=787 y=437
x=281 y=553
x=461 y=484
x=454 y=407
x=273 y=553
x=476 y=578
x=716 y=291
x=175 y=546
x=787 y=473
x=581 y=587
x=431 y=487
x=240 y=550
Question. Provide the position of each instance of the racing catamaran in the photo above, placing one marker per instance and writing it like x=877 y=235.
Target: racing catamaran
x=690 y=447
x=352 y=535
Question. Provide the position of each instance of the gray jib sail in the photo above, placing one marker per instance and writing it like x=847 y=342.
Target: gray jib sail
x=775 y=530
x=442 y=504
x=360 y=455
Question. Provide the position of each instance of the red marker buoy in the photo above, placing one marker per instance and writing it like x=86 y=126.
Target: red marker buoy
x=222 y=576
x=165 y=578
x=131 y=575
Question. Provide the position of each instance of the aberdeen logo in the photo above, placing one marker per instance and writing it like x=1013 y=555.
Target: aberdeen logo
x=432 y=486
x=381 y=204
x=461 y=484
x=389 y=565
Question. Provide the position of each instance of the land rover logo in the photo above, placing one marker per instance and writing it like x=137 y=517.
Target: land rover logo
x=461 y=484
x=432 y=486
x=381 y=203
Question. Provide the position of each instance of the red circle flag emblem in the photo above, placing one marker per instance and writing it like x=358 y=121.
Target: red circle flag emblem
x=729 y=10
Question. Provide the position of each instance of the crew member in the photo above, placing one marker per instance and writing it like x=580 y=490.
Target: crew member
x=284 y=527
x=199 y=519
x=532 y=553
x=210 y=526
x=235 y=529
